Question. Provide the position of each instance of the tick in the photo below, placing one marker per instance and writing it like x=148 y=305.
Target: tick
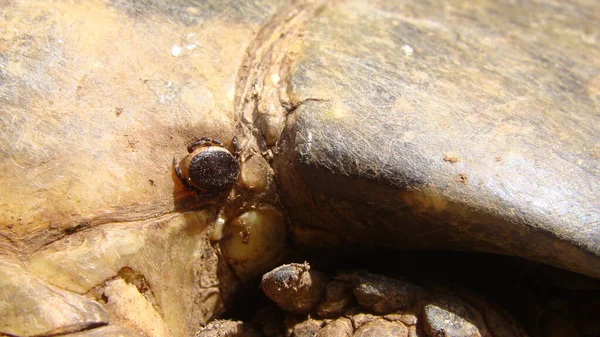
x=209 y=168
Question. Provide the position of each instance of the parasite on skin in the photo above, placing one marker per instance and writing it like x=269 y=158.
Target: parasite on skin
x=209 y=168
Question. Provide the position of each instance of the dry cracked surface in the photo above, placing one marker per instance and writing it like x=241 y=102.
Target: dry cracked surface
x=370 y=125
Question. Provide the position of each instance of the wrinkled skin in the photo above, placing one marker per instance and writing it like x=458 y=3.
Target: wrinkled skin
x=95 y=102
x=382 y=124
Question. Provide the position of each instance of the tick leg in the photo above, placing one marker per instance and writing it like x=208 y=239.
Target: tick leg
x=236 y=147
x=204 y=141
x=193 y=145
x=178 y=172
x=212 y=140
x=206 y=195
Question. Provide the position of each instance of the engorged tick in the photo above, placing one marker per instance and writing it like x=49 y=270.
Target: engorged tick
x=209 y=168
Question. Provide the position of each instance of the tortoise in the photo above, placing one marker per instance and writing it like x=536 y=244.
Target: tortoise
x=361 y=126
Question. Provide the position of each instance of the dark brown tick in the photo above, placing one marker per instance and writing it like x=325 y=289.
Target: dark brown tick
x=209 y=168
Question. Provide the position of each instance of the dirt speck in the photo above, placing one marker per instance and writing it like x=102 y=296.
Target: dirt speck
x=462 y=178
x=131 y=142
x=245 y=237
x=151 y=182
x=451 y=158
x=499 y=159
x=118 y=111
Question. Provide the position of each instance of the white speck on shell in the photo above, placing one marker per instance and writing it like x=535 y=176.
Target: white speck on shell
x=217 y=232
x=408 y=50
x=275 y=79
x=175 y=50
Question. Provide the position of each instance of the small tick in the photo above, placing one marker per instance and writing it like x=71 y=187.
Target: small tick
x=209 y=168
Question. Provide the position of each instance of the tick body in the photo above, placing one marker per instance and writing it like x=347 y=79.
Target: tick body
x=209 y=168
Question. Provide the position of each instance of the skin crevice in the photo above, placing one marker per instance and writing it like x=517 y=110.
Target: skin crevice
x=33 y=244
x=292 y=109
x=263 y=76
